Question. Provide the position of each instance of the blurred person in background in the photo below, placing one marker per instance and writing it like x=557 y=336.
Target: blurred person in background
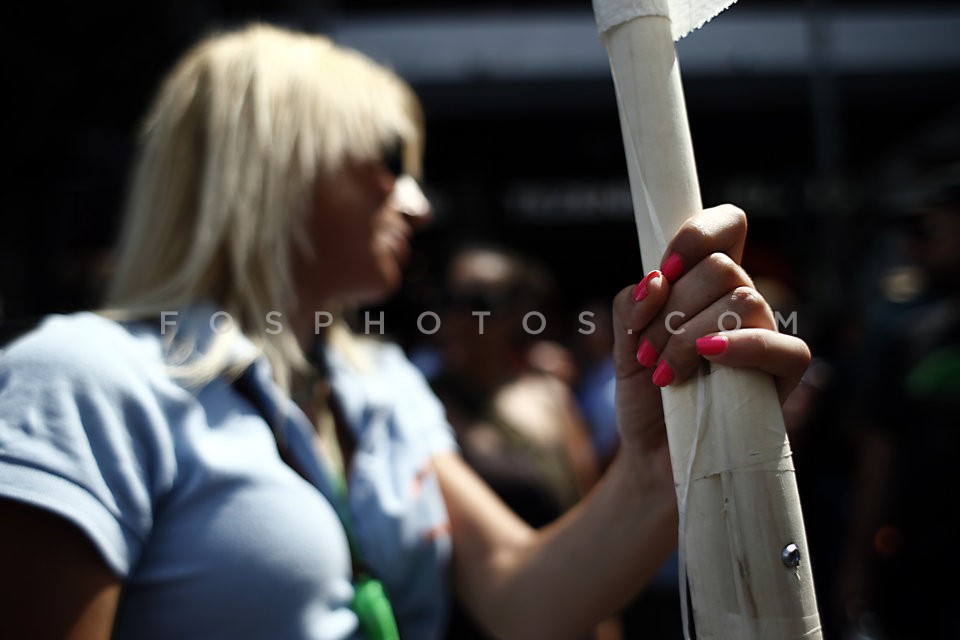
x=517 y=425
x=506 y=391
x=215 y=455
x=902 y=548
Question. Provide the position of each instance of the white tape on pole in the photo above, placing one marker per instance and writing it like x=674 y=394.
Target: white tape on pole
x=736 y=489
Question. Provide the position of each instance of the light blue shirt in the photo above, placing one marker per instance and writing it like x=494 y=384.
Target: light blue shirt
x=186 y=497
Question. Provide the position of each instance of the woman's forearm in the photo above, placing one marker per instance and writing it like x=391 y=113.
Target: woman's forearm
x=596 y=558
x=560 y=581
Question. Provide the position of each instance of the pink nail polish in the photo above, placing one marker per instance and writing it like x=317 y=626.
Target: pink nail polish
x=663 y=374
x=711 y=345
x=672 y=267
x=640 y=291
x=646 y=354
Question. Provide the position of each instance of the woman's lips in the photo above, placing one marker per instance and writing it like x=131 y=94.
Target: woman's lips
x=399 y=243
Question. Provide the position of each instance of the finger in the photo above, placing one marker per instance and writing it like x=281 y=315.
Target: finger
x=741 y=308
x=783 y=356
x=709 y=281
x=720 y=229
x=633 y=310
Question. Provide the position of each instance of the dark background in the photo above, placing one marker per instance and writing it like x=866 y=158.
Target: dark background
x=812 y=153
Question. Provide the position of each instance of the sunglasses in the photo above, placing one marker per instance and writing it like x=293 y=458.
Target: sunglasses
x=392 y=159
x=477 y=301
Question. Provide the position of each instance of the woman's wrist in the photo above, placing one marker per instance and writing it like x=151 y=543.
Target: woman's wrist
x=646 y=474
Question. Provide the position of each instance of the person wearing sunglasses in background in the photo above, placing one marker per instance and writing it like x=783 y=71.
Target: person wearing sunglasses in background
x=215 y=455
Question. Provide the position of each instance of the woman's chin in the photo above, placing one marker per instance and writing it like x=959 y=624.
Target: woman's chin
x=378 y=293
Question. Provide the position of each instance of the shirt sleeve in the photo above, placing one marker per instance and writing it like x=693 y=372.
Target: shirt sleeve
x=417 y=405
x=83 y=434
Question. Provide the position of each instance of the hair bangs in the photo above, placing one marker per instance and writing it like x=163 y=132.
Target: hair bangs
x=365 y=110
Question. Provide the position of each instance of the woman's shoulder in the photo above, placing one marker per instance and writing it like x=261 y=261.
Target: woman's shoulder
x=84 y=348
x=369 y=357
x=85 y=430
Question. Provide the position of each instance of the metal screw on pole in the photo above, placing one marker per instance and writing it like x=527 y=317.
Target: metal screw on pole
x=790 y=556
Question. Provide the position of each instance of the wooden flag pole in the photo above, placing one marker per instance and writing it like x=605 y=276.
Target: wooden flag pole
x=742 y=535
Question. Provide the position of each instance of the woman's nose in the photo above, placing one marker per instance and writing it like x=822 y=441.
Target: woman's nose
x=408 y=199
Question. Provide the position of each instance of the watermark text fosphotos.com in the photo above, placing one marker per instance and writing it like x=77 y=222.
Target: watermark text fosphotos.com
x=429 y=322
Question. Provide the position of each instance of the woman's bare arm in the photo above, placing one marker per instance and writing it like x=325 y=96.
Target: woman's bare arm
x=557 y=582
x=54 y=582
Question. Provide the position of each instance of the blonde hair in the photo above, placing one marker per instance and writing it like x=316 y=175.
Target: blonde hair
x=242 y=128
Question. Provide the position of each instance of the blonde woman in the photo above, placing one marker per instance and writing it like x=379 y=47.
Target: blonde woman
x=211 y=457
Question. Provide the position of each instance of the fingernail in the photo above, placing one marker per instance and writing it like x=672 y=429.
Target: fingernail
x=640 y=291
x=646 y=354
x=711 y=345
x=663 y=374
x=672 y=267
